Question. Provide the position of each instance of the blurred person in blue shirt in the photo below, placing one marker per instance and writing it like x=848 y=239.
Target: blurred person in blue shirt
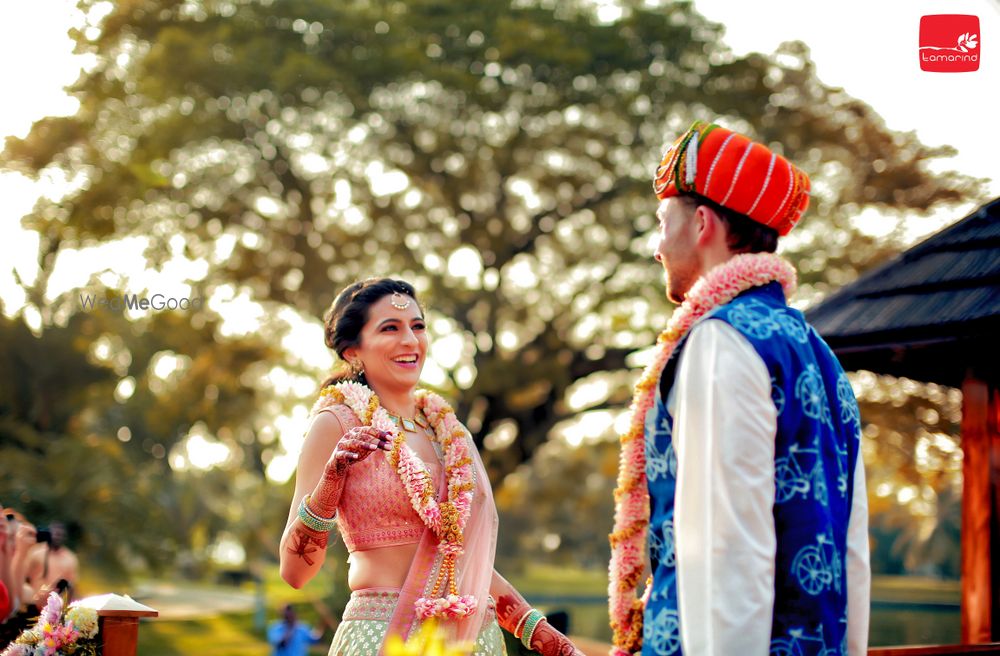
x=289 y=637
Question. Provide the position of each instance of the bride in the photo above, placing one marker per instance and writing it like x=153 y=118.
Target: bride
x=397 y=473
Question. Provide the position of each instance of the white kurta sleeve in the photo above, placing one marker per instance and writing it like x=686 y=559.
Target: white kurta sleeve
x=859 y=573
x=724 y=435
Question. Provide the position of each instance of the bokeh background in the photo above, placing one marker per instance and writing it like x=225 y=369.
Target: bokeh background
x=259 y=155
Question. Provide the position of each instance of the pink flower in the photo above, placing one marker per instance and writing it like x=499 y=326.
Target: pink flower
x=56 y=636
x=452 y=607
x=449 y=549
x=52 y=611
x=15 y=650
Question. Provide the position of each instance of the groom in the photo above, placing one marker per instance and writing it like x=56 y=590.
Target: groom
x=741 y=472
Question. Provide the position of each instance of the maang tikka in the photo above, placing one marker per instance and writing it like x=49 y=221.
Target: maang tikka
x=398 y=301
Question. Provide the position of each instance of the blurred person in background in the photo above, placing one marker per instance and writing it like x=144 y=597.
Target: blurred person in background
x=398 y=474
x=51 y=565
x=8 y=591
x=5 y=604
x=18 y=538
x=290 y=637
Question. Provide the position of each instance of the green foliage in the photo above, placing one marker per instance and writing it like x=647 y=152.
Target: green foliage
x=914 y=468
x=222 y=635
x=76 y=446
x=562 y=506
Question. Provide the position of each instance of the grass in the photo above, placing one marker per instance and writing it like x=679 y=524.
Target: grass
x=228 y=634
x=916 y=589
x=550 y=580
x=223 y=635
x=586 y=619
x=937 y=622
x=231 y=634
x=892 y=621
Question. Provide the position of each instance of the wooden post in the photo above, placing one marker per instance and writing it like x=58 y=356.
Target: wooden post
x=118 y=619
x=993 y=426
x=978 y=513
x=120 y=631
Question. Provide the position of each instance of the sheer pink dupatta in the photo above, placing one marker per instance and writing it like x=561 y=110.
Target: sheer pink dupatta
x=474 y=571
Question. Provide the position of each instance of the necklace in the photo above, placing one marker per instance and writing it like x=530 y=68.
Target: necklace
x=447 y=519
x=409 y=424
x=717 y=287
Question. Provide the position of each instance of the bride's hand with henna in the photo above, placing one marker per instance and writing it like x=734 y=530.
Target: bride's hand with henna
x=546 y=640
x=512 y=611
x=353 y=446
x=356 y=445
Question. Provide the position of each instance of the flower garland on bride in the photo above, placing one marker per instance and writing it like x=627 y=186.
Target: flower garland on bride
x=446 y=519
x=719 y=286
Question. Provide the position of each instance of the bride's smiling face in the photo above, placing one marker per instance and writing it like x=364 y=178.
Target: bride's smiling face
x=393 y=343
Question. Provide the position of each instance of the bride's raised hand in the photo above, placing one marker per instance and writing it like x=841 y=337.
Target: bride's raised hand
x=356 y=445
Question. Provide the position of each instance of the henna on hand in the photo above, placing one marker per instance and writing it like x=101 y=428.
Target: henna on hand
x=305 y=542
x=511 y=607
x=549 y=642
x=326 y=496
x=354 y=446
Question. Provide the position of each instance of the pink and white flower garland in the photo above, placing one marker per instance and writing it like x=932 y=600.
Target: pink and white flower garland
x=446 y=519
x=628 y=541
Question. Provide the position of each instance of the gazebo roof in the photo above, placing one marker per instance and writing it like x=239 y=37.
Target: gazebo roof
x=929 y=313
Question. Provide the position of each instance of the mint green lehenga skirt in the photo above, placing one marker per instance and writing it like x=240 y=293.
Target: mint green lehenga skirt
x=366 y=619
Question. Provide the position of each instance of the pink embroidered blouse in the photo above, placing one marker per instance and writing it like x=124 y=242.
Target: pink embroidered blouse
x=374 y=509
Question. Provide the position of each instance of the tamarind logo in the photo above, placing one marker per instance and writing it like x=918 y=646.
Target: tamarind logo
x=949 y=43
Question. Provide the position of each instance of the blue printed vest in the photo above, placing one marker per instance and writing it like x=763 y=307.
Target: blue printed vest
x=817 y=446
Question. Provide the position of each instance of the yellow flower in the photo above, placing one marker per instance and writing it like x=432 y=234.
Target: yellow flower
x=429 y=641
x=84 y=620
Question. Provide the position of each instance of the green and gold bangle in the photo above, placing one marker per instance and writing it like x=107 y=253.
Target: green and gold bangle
x=520 y=623
x=534 y=617
x=314 y=521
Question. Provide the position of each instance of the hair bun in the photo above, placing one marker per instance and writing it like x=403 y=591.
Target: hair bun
x=328 y=334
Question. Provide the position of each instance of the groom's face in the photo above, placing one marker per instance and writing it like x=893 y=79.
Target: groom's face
x=676 y=247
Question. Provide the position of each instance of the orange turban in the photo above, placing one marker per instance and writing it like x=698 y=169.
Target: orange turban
x=735 y=172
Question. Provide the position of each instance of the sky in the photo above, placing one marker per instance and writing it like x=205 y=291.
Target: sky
x=868 y=47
